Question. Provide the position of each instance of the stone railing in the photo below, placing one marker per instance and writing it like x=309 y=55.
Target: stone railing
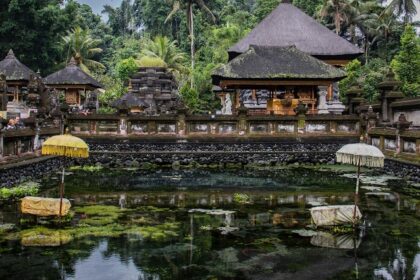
x=213 y=126
x=394 y=142
x=28 y=139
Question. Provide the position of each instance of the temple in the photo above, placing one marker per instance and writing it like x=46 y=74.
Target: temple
x=151 y=91
x=21 y=88
x=76 y=85
x=288 y=58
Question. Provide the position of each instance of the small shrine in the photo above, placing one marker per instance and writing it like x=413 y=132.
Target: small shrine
x=151 y=91
x=77 y=86
x=21 y=88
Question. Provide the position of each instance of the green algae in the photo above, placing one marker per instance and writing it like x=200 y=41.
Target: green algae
x=241 y=198
x=87 y=168
x=98 y=221
x=42 y=236
x=19 y=191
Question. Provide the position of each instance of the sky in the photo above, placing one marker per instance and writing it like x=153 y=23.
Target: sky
x=98 y=4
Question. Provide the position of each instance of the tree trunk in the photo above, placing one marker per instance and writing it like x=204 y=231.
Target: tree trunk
x=192 y=45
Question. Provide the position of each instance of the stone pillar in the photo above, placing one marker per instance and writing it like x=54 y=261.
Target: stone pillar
x=122 y=127
x=384 y=109
x=181 y=125
x=1 y=140
x=36 y=138
x=322 y=101
x=301 y=124
x=242 y=122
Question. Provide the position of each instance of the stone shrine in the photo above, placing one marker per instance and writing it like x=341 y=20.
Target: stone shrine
x=156 y=87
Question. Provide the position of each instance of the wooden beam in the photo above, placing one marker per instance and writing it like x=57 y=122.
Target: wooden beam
x=270 y=83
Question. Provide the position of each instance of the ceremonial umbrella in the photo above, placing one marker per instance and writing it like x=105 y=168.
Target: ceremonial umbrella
x=360 y=154
x=68 y=146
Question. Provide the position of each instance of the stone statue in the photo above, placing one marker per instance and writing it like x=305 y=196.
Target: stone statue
x=228 y=105
x=322 y=102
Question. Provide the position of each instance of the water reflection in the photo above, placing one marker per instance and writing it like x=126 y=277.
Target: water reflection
x=220 y=237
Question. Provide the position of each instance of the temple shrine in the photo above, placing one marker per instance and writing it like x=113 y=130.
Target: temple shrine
x=77 y=86
x=287 y=59
x=151 y=91
x=22 y=90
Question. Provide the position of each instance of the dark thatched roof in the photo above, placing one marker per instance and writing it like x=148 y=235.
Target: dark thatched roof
x=128 y=101
x=71 y=75
x=14 y=70
x=279 y=63
x=287 y=26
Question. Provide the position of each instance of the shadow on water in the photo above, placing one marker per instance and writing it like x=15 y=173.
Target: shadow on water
x=214 y=224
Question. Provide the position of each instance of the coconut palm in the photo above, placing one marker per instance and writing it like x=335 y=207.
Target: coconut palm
x=336 y=9
x=404 y=7
x=357 y=13
x=165 y=49
x=83 y=48
x=187 y=6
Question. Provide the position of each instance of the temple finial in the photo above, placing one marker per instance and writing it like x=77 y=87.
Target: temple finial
x=10 y=54
x=72 y=62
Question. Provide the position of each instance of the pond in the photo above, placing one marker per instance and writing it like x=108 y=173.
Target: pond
x=215 y=224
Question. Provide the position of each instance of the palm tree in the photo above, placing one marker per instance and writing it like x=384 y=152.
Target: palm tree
x=404 y=7
x=187 y=6
x=161 y=47
x=337 y=9
x=83 y=47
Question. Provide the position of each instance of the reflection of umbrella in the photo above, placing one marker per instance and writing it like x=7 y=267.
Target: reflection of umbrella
x=360 y=154
x=68 y=146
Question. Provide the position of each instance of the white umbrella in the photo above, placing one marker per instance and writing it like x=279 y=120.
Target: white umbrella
x=360 y=154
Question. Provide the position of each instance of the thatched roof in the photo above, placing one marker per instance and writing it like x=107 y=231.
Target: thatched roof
x=286 y=26
x=71 y=75
x=278 y=63
x=14 y=70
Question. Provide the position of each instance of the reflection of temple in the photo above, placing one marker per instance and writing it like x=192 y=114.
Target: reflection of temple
x=152 y=90
x=21 y=88
x=289 y=58
x=78 y=86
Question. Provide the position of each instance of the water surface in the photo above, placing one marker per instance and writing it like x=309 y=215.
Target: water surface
x=250 y=234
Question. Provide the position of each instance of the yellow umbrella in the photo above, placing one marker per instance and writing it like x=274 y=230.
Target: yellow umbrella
x=68 y=146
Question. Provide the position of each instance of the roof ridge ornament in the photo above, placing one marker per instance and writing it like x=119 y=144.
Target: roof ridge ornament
x=10 y=54
x=72 y=62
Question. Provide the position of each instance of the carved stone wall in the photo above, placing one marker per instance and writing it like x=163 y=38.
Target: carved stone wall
x=157 y=88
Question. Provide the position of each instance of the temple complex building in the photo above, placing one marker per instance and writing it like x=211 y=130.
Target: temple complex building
x=77 y=86
x=286 y=59
x=21 y=88
x=152 y=91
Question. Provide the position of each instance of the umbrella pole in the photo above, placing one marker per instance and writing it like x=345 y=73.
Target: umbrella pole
x=61 y=193
x=356 y=195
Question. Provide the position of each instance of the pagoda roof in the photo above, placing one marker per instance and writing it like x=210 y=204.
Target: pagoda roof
x=71 y=75
x=287 y=25
x=278 y=63
x=14 y=70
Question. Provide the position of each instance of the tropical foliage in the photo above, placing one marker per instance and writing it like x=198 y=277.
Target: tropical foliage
x=406 y=63
x=80 y=45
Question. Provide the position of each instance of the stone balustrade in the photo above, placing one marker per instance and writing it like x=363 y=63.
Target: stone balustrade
x=214 y=126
